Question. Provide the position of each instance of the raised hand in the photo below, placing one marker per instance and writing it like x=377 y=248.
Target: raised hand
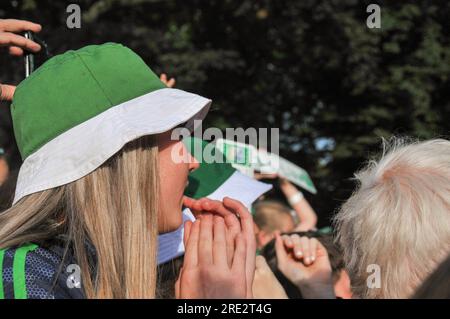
x=204 y=205
x=238 y=221
x=205 y=272
x=304 y=261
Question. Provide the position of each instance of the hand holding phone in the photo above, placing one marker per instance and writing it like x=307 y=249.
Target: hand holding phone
x=17 y=44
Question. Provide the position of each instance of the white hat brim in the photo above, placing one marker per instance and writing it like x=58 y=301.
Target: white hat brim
x=83 y=148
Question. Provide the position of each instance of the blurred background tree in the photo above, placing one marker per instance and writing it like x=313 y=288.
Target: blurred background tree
x=333 y=86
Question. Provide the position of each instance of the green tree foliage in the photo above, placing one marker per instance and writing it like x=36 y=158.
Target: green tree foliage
x=314 y=69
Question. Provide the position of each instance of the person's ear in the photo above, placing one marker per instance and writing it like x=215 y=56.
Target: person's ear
x=342 y=287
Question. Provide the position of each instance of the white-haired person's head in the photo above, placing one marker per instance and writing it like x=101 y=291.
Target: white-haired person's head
x=398 y=219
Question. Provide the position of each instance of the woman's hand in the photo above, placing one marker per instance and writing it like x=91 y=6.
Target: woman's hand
x=16 y=43
x=205 y=272
x=304 y=261
x=238 y=222
x=204 y=205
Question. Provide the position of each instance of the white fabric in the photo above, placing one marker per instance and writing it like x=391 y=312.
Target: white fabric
x=80 y=150
x=170 y=245
x=241 y=187
x=237 y=186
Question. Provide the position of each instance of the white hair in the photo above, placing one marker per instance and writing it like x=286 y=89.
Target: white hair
x=398 y=218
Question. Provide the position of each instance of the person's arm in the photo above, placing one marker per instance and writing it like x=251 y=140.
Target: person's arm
x=304 y=211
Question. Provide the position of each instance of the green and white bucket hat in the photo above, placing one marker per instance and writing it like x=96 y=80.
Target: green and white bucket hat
x=212 y=180
x=81 y=107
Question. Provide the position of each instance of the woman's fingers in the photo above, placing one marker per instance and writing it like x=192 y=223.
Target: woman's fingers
x=192 y=205
x=230 y=238
x=197 y=204
x=14 y=25
x=238 y=208
x=200 y=206
x=205 y=250
x=248 y=232
x=191 y=254
x=187 y=231
x=187 y=201
x=220 y=242
x=246 y=220
x=231 y=220
x=239 y=257
x=233 y=226
x=214 y=206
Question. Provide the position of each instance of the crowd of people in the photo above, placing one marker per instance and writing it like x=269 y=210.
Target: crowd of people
x=100 y=208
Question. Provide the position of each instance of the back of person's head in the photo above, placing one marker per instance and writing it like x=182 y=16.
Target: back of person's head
x=398 y=219
x=437 y=285
x=271 y=216
x=334 y=253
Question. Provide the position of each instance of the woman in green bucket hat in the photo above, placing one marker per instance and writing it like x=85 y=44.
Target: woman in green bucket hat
x=98 y=183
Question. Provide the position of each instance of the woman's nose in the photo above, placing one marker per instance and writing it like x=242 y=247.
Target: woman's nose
x=193 y=163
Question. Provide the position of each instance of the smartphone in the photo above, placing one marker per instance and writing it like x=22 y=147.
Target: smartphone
x=29 y=56
x=33 y=60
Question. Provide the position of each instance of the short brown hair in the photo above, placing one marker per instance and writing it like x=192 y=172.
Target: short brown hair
x=267 y=214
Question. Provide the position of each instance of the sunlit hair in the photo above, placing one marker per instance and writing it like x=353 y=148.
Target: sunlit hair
x=115 y=208
x=398 y=218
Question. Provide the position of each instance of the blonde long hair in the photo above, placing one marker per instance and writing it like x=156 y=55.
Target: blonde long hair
x=115 y=208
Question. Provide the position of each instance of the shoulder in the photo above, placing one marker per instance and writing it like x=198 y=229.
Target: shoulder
x=33 y=272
